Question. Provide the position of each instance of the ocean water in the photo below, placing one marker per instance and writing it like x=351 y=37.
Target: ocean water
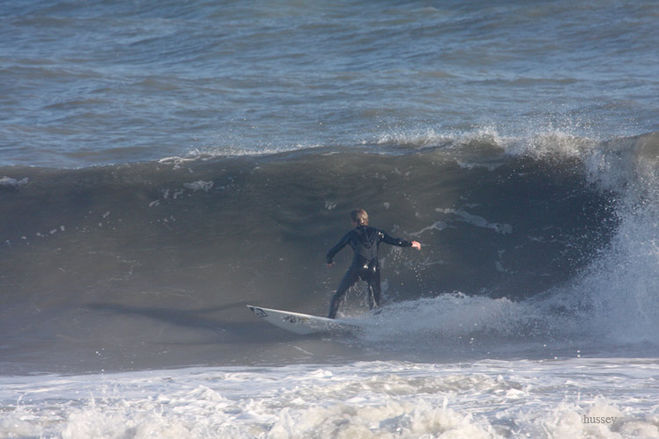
x=163 y=164
x=484 y=399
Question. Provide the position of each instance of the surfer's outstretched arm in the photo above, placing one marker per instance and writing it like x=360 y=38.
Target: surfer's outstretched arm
x=400 y=242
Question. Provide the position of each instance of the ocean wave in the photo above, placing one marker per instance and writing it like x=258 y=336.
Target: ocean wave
x=171 y=250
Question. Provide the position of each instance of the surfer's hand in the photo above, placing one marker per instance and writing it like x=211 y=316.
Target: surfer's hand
x=416 y=245
x=330 y=264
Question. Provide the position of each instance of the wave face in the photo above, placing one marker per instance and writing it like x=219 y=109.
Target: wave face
x=150 y=264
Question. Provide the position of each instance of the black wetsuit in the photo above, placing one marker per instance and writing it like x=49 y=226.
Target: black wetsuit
x=364 y=241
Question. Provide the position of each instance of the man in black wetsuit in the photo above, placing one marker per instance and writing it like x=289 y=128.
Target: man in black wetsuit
x=364 y=241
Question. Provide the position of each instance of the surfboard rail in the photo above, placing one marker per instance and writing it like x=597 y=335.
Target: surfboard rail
x=300 y=323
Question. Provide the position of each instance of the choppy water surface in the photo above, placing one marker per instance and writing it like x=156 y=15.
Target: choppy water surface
x=161 y=166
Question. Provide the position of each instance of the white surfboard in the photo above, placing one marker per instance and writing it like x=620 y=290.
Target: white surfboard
x=302 y=323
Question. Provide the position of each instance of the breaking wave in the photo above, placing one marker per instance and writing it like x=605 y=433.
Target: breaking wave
x=553 y=236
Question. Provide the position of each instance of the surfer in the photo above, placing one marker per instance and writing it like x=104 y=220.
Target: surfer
x=364 y=241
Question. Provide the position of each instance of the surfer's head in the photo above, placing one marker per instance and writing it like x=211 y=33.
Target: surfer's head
x=359 y=217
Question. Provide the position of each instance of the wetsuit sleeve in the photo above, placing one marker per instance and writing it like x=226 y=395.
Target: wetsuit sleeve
x=394 y=241
x=337 y=248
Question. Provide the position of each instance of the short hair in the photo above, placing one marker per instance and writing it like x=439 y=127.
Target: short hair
x=360 y=217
